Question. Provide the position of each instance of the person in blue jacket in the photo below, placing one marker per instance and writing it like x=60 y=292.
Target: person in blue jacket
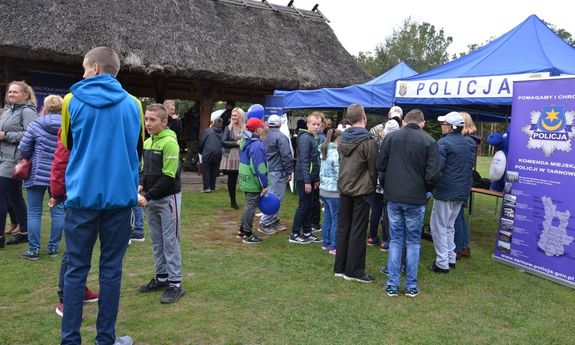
x=102 y=127
x=38 y=144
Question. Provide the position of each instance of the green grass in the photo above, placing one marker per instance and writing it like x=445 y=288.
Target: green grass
x=280 y=293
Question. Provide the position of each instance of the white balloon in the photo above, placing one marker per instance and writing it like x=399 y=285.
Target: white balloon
x=498 y=165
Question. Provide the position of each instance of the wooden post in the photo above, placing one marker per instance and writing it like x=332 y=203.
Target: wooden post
x=160 y=87
x=207 y=95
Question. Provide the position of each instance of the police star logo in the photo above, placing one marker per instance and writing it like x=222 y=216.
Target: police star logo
x=550 y=129
x=402 y=89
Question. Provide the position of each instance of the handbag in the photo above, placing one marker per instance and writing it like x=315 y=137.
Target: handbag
x=21 y=170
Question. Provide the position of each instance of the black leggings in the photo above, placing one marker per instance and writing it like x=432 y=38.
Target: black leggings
x=232 y=182
x=12 y=189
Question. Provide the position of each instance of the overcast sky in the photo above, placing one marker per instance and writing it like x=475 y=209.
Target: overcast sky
x=361 y=24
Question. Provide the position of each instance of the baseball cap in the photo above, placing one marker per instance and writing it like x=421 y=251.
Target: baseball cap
x=253 y=124
x=274 y=120
x=454 y=119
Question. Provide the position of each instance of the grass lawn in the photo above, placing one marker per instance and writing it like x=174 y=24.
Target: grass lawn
x=280 y=293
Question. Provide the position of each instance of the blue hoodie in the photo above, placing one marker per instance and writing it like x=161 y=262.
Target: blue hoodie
x=102 y=126
x=253 y=171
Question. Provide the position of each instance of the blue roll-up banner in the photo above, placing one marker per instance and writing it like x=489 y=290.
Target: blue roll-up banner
x=274 y=106
x=536 y=231
x=45 y=84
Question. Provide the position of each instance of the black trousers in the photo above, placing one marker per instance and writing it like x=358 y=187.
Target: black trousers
x=352 y=221
x=211 y=170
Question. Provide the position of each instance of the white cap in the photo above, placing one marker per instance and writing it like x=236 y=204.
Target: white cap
x=454 y=119
x=274 y=121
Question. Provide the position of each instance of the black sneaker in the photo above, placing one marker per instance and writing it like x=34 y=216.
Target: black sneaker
x=52 y=252
x=433 y=267
x=253 y=239
x=154 y=285
x=315 y=228
x=452 y=265
x=17 y=239
x=137 y=237
x=299 y=239
x=172 y=294
x=312 y=238
x=412 y=292
x=31 y=254
x=392 y=291
x=364 y=278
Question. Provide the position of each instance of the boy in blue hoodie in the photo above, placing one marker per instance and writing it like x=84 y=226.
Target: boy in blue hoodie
x=253 y=177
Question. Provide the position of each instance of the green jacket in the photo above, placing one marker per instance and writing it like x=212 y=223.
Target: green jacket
x=160 y=174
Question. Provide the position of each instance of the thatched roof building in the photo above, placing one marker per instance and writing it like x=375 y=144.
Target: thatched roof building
x=188 y=49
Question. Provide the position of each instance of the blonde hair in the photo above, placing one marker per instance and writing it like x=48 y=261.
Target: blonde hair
x=53 y=104
x=317 y=115
x=468 y=125
x=26 y=89
x=237 y=129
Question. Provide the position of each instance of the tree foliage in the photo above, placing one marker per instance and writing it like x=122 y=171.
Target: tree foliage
x=422 y=46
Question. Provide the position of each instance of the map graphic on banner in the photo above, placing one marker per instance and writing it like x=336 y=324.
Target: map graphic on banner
x=537 y=227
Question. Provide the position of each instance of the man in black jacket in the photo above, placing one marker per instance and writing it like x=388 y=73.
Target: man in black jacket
x=408 y=167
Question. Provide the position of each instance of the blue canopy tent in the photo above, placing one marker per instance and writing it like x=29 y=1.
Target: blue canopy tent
x=482 y=81
x=374 y=94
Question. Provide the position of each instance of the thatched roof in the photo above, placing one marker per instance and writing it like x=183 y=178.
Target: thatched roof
x=239 y=42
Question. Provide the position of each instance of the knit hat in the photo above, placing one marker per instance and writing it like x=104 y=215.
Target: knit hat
x=391 y=126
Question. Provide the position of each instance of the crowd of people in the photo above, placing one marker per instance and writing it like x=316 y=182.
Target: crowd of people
x=363 y=178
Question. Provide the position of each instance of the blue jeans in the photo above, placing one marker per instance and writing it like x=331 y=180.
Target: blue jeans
x=302 y=217
x=83 y=227
x=277 y=186
x=461 y=231
x=35 y=199
x=329 y=228
x=405 y=224
x=137 y=220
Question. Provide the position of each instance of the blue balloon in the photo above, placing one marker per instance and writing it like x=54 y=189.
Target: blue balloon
x=257 y=111
x=269 y=204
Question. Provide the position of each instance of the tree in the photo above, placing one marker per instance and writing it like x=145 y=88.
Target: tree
x=564 y=34
x=422 y=46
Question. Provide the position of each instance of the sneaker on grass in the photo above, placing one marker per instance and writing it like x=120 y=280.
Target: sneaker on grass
x=137 y=237
x=31 y=254
x=299 y=239
x=52 y=252
x=172 y=294
x=364 y=278
x=384 y=246
x=154 y=285
x=125 y=340
x=312 y=238
x=392 y=291
x=90 y=296
x=253 y=239
x=266 y=229
x=411 y=292
x=278 y=227
x=60 y=309
x=372 y=241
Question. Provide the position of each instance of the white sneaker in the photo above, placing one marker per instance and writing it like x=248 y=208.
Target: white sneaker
x=125 y=340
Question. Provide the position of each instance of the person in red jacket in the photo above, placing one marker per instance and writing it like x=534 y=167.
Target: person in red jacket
x=58 y=194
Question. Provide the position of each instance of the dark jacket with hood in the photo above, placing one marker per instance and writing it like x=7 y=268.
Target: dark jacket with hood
x=38 y=144
x=408 y=165
x=357 y=154
x=307 y=163
x=211 y=144
x=456 y=162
